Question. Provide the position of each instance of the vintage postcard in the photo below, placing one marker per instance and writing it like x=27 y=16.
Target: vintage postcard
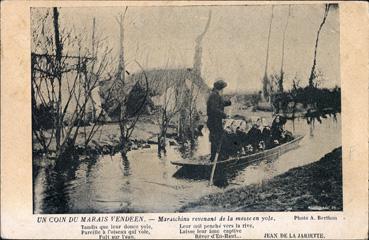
x=184 y=120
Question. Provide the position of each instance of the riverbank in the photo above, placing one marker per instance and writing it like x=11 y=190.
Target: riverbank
x=106 y=138
x=316 y=186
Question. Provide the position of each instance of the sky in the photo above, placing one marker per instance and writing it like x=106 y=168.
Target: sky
x=234 y=47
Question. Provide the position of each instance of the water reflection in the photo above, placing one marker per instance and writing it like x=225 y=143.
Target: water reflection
x=144 y=182
x=126 y=165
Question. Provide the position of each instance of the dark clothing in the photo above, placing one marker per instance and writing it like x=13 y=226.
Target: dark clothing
x=277 y=128
x=215 y=112
x=277 y=131
x=267 y=137
x=255 y=136
x=233 y=143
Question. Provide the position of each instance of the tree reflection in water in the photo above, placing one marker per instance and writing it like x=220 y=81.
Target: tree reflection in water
x=126 y=165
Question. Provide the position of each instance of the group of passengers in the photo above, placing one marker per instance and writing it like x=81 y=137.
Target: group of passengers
x=258 y=137
x=262 y=136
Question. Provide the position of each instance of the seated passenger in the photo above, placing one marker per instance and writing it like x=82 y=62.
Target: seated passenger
x=267 y=136
x=277 y=131
x=235 y=138
x=255 y=135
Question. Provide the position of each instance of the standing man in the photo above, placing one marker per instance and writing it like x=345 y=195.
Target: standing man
x=215 y=112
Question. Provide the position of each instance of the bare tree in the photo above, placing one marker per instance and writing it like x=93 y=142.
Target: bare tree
x=172 y=104
x=47 y=68
x=281 y=78
x=123 y=87
x=192 y=109
x=313 y=72
x=58 y=55
x=78 y=73
x=186 y=117
x=265 y=78
x=93 y=75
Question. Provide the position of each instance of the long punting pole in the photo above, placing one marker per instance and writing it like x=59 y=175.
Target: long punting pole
x=216 y=159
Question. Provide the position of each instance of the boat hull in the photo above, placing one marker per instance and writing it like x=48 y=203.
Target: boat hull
x=236 y=162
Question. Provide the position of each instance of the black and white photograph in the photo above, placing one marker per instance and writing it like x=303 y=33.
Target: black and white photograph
x=171 y=109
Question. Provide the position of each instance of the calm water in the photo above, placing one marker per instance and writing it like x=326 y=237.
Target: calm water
x=146 y=183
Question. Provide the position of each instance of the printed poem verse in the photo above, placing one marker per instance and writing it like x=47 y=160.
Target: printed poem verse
x=218 y=227
x=133 y=226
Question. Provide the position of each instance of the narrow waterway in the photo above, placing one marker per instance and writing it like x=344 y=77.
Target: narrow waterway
x=145 y=183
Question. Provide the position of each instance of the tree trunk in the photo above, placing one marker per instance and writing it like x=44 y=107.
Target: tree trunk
x=162 y=139
x=122 y=128
x=121 y=66
x=192 y=129
x=93 y=118
x=265 y=78
x=198 y=48
x=280 y=82
x=121 y=78
x=312 y=73
x=123 y=141
x=58 y=55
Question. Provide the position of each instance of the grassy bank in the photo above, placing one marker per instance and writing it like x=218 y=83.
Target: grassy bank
x=317 y=186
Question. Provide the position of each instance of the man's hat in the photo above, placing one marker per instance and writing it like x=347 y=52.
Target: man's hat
x=220 y=84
